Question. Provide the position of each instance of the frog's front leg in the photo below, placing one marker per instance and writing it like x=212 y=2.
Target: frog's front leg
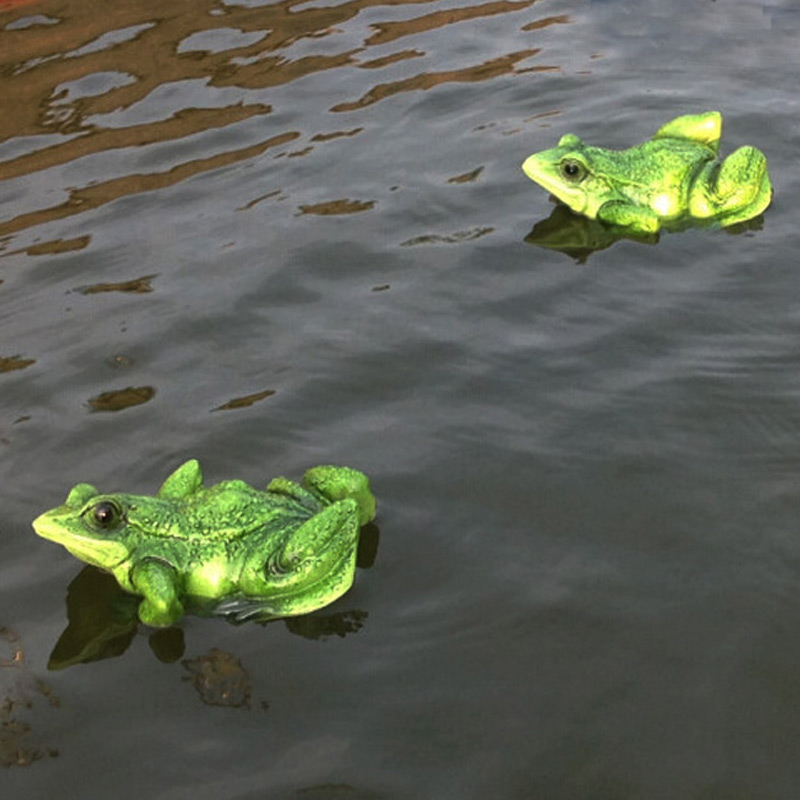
x=736 y=190
x=158 y=583
x=627 y=215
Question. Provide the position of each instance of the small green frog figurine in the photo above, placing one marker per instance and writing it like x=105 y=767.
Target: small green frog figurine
x=285 y=551
x=676 y=175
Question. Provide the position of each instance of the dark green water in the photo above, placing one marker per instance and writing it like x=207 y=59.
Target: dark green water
x=271 y=235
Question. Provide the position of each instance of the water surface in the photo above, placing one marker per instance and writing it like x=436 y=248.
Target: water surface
x=271 y=235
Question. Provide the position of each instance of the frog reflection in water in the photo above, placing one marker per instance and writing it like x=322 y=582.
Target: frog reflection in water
x=281 y=552
x=675 y=176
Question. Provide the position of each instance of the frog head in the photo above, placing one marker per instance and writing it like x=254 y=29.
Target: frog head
x=570 y=173
x=92 y=526
x=104 y=529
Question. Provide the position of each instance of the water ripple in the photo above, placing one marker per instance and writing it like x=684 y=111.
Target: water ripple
x=75 y=85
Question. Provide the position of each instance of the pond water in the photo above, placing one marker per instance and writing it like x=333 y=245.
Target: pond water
x=273 y=235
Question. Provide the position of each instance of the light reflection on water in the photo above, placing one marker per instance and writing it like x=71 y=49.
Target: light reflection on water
x=311 y=218
x=70 y=74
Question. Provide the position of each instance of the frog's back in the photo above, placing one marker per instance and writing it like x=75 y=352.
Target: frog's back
x=654 y=164
x=658 y=173
x=233 y=510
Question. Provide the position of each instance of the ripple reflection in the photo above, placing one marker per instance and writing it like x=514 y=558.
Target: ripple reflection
x=75 y=84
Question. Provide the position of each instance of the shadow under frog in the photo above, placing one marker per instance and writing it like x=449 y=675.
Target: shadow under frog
x=577 y=237
x=103 y=622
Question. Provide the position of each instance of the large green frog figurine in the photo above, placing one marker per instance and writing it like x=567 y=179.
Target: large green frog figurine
x=675 y=176
x=281 y=552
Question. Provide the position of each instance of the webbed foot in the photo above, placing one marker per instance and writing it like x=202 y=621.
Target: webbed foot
x=339 y=483
x=705 y=128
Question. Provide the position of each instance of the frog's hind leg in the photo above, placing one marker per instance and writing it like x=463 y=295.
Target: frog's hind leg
x=743 y=179
x=314 y=565
x=321 y=543
x=292 y=490
x=739 y=190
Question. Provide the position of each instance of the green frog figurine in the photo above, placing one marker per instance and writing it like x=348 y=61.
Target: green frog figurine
x=281 y=552
x=675 y=176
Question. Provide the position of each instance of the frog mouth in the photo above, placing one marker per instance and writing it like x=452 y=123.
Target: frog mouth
x=104 y=553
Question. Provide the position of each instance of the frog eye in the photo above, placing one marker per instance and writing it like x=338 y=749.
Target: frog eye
x=573 y=170
x=104 y=516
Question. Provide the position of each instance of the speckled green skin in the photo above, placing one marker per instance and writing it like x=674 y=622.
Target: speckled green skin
x=674 y=176
x=285 y=551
